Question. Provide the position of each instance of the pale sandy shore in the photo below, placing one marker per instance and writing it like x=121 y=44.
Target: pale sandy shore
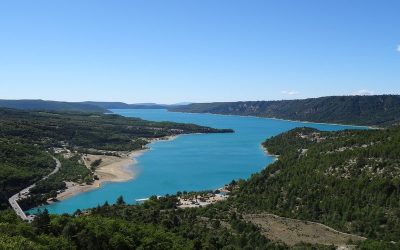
x=276 y=157
x=111 y=169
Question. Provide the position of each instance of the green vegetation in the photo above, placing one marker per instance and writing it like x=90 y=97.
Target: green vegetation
x=88 y=130
x=26 y=136
x=349 y=180
x=153 y=225
x=21 y=165
x=72 y=170
x=379 y=110
x=95 y=164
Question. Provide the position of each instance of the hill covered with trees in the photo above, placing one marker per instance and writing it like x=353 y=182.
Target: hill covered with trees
x=378 y=110
x=349 y=180
x=88 y=106
x=157 y=224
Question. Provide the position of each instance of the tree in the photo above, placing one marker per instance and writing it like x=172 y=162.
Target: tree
x=120 y=201
x=78 y=212
x=42 y=220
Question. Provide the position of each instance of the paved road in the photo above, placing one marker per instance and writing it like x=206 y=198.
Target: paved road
x=13 y=200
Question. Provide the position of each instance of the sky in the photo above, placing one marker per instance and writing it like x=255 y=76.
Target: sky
x=171 y=51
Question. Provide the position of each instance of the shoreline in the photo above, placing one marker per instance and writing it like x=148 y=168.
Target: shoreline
x=112 y=169
x=265 y=150
x=122 y=169
x=287 y=120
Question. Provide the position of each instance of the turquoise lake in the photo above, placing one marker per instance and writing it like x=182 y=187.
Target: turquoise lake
x=191 y=162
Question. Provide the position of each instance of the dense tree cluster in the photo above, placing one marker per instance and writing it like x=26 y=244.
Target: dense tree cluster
x=156 y=224
x=349 y=180
x=88 y=130
x=21 y=165
x=72 y=170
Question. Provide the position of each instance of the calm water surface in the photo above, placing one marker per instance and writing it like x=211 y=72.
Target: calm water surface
x=191 y=162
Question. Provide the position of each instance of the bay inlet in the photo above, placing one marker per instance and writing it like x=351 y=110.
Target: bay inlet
x=191 y=162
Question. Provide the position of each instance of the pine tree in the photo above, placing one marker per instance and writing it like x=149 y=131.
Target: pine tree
x=120 y=200
x=42 y=221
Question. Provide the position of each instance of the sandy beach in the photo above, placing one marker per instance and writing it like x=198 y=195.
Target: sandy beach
x=111 y=169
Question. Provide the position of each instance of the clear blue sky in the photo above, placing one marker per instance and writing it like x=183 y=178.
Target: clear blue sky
x=170 y=51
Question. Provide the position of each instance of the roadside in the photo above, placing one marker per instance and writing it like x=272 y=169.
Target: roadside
x=13 y=200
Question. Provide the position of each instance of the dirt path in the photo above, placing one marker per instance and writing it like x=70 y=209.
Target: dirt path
x=292 y=231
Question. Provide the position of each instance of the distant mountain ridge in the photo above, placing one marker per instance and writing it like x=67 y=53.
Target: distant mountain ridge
x=377 y=110
x=87 y=106
x=122 y=105
x=50 y=105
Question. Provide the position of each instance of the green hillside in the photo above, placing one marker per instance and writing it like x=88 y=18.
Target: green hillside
x=156 y=225
x=349 y=180
x=378 y=110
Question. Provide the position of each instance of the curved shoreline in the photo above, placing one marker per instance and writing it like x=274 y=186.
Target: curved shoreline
x=281 y=119
x=266 y=152
x=113 y=169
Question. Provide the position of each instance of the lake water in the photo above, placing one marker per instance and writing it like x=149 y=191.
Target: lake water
x=191 y=162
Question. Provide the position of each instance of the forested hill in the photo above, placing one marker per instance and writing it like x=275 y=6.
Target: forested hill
x=50 y=105
x=88 y=106
x=349 y=180
x=377 y=110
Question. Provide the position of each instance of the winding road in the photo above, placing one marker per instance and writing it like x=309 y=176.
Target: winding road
x=13 y=200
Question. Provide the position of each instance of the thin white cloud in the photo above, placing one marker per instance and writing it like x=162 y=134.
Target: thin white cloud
x=290 y=92
x=398 y=48
x=363 y=92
